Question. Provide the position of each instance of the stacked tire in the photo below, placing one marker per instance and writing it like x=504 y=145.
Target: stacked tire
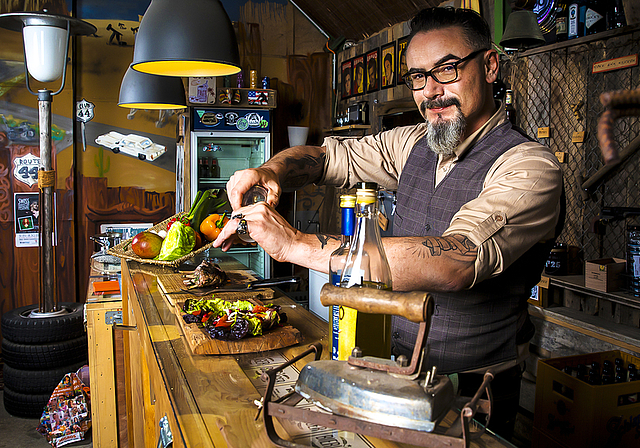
x=37 y=353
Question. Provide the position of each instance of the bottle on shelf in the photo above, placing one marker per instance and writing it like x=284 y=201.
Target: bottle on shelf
x=577 y=11
x=595 y=17
x=562 y=21
x=615 y=16
x=203 y=170
x=213 y=168
x=337 y=261
x=509 y=107
x=366 y=266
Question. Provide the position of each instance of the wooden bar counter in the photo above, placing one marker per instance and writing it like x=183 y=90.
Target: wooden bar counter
x=209 y=400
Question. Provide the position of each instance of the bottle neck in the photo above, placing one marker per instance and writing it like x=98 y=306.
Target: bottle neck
x=367 y=210
x=348 y=222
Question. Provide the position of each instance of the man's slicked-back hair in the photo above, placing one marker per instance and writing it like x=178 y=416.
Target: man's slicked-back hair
x=476 y=30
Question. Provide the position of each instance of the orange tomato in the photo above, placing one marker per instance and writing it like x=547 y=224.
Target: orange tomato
x=212 y=225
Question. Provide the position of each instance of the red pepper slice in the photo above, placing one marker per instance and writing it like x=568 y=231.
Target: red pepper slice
x=260 y=309
x=224 y=322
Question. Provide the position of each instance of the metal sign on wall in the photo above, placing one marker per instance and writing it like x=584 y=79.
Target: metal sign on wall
x=25 y=169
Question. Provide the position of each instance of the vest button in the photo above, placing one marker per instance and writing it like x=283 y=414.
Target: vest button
x=427 y=227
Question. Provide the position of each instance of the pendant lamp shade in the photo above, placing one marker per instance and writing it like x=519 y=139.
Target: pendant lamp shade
x=522 y=31
x=186 y=38
x=144 y=91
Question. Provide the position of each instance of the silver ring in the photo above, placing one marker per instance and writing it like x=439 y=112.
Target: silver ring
x=242 y=227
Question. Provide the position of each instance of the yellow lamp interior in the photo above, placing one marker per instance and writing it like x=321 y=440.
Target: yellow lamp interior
x=159 y=106
x=186 y=68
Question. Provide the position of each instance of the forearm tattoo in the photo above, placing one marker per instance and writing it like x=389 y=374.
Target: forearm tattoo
x=324 y=239
x=302 y=171
x=455 y=246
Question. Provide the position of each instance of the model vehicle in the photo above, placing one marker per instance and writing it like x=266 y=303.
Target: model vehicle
x=134 y=145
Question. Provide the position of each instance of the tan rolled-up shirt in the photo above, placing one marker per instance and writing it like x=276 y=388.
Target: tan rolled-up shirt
x=523 y=187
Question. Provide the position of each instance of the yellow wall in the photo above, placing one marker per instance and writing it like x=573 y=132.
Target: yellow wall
x=101 y=68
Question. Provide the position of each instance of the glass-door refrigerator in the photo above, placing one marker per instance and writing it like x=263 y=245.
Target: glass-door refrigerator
x=224 y=141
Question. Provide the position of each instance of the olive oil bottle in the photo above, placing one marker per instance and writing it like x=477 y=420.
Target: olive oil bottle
x=366 y=266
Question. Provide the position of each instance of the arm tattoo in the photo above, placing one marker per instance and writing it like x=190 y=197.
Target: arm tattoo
x=457 y=246
x=302 y=171
x=324 y=239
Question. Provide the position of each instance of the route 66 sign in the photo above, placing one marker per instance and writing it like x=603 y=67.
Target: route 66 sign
x=84 y=111
x=26 y=169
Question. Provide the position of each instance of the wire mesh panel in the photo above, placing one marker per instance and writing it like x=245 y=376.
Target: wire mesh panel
x=557 y=89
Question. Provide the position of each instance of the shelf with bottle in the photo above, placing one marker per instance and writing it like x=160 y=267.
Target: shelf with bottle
x=583 y=21
x=245 y=98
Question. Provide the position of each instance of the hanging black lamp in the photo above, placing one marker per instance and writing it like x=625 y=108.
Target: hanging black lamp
x=145 y=91
x=186 y=38
x=522 y=31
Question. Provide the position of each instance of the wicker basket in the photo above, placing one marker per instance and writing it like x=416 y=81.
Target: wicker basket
x=123 y=249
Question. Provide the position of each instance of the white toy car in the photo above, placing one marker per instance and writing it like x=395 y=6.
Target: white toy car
x=134 y=145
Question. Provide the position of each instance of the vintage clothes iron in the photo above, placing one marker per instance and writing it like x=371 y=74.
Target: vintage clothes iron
x=373 y=396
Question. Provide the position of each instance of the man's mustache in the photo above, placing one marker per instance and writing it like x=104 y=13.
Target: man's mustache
x=438 y=103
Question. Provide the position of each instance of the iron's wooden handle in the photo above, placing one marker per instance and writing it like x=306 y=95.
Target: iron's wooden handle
x=416 y=306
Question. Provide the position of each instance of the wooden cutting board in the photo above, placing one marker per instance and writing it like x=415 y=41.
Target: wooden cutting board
x=238 y=279
x=202 y=344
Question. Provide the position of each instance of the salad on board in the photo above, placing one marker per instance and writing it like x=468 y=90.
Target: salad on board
x=229 y=321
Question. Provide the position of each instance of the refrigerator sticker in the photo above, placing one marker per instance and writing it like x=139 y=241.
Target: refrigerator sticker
x=254 y=119
x=242 y=124
x=258 y=98
x=230 y=118
x=211 y=118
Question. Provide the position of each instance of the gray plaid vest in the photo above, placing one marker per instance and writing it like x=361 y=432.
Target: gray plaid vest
x=476 y=327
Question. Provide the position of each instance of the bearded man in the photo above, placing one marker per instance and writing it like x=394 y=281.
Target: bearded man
x=479 y=205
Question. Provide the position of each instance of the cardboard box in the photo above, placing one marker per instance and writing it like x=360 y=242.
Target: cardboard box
x=572 y=413
x=202 y=90
x=605 y=274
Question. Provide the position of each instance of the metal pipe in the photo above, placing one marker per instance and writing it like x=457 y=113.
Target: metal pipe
x=48 y=302
x=595 y=178
x=333 y=62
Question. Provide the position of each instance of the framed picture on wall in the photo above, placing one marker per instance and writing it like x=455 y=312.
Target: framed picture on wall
x=401 y=58
x=358 y=77
x=387 y=65
x=346 y=70
x=373 y=70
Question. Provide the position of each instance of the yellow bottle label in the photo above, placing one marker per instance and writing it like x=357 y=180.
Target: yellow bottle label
x=347 y=332
x=370 y=332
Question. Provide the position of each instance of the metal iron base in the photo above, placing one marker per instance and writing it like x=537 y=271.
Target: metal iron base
x=459 y=434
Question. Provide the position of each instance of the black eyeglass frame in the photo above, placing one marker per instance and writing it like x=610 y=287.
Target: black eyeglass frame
x=427 y=73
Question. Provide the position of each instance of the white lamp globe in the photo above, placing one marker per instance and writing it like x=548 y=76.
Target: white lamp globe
x=45 y=51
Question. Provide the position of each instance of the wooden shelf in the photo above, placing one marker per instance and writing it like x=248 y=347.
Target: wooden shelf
x=581 y=40
x=350 y=127
x=576 y=283
x=244 y=102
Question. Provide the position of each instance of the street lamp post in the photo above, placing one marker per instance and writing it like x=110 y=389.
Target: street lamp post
x=46 y=44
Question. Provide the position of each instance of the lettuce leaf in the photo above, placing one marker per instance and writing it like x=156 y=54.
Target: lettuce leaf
x=180 y=240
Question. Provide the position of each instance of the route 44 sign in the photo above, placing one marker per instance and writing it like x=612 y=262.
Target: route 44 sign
x=26 y=169
x=84 y=111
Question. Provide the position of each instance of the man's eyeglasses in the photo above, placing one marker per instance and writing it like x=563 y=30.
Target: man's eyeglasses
x=416 y=79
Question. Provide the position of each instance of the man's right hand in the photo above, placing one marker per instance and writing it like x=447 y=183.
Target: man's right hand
x=240 y=182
